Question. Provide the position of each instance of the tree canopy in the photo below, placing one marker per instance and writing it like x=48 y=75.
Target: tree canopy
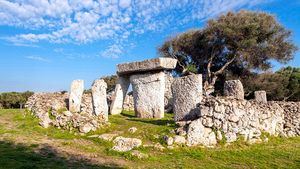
x=14 y=99
x=284 y=84
x=233 y=43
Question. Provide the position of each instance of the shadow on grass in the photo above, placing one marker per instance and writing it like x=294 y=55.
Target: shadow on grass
x=160 y=122
x=22 y=156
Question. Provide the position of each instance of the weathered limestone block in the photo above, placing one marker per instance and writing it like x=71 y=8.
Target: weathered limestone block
x=99 y=98
x=234 y=88
x=187 y=93
x=260 y=96
x=76 y=92
x=121 y=88
x=123 y=144
x=148 y=94
x=168 y=92
x=198 y=134
x=146 y=65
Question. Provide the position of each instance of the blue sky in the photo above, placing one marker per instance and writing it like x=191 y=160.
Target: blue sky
x=46 y=44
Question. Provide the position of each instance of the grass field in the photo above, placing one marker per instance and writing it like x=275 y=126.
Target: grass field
x=24 y=144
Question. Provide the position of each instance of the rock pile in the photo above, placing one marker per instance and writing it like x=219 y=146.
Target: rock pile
x=291 y=118
x=51 y=109
x=222 y=118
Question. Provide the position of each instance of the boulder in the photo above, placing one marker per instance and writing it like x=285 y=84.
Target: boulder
x=199 y=135
x=75 y=97
x=187 y=94
x=121 y=88
x=99 y=98
x=123 y=144
x=148 y=94
x=85 y=128
x=179 y=140
x=260 y=96
x=156 y=64
x=169 y=140
x=234 y=88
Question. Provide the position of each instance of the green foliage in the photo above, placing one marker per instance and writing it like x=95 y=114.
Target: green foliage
x=281 y=85
x=231 y=43
x=14 y=99
x=110 y=81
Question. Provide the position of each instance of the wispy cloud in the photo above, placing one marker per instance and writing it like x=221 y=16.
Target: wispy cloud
x=75 y=21
x=114 y=51
x=38 y=58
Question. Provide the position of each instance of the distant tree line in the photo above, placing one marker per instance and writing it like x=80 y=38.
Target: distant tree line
x=10 y=100
x=283 y=85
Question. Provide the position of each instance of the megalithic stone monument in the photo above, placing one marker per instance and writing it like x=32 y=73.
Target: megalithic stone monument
x=75 y=97
x=99 y=98
x=148 y=81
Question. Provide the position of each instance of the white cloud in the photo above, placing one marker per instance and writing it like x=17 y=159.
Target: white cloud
x=124 y=3
x=114 y=51
x=83 y=21
x=37 y=58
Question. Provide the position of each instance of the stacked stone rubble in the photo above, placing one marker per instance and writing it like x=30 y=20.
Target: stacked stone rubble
x=227 y=118
x=86 y=111
x=291 y=118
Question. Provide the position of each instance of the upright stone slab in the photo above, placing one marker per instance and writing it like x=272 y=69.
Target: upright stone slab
x=168 y=92
x=156 y=64
x=119 y=95
x=187 y=93
x=75 y=97
x=148 y=94
x=99 y=98
x=260 y=96
x=234 y=88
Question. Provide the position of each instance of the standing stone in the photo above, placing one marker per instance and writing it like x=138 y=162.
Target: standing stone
x=148 y=94
x=99 y=98
x=260 y=96
x=121 y=88
x=75 y=97
x=234 y=88
x=187 y=93
x=168 y=92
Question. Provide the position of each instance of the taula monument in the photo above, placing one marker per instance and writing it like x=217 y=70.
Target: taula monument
x=201 y=120
x=148 y=85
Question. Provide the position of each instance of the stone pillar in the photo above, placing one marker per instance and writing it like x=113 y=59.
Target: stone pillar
x=75 y=97
x=168 y=92
x=121 y=88
x=260 y=96
x=187 y=93
x=148 y=94
x=234 y=88
x=99 y=98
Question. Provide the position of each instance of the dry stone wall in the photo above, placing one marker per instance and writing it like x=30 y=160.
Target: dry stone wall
x=291 y=118
x=221 y=118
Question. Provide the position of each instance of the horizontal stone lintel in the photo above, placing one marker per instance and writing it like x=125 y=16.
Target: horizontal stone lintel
x=146 y=65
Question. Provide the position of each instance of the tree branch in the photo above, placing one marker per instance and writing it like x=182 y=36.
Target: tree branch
x=220 y=71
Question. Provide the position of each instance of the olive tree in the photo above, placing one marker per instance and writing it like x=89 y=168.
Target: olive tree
x=230 y=43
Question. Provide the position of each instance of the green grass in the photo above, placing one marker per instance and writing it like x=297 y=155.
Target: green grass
x=16 y=128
